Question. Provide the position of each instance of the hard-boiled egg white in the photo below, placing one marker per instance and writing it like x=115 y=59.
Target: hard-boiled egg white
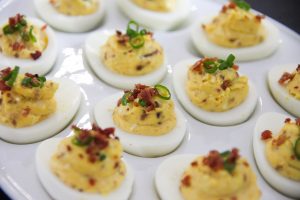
x=68 y=97
x=273 y=122
x=66 y=22
x=44 y=63
x=58 y=190
x=168 y=176
x=236 y=115
x=157 y=20
x=92 y=48
x=280 y=94
x=144 y=146
x=209 y=49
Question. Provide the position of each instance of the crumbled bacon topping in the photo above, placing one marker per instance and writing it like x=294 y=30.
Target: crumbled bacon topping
x=216 y=161
x=12 y=21
x=36 y=55
x=199 y=65
x=3 y=73
x=297 y=121
x=259 y=17
x=280 y=140
x=96 y=140
x=144 y=93
x=286 y=77
x=18 y=46
x=287 y=120
x=267 y=134
x=231 y=5
x=225 y=84
x=186 y=181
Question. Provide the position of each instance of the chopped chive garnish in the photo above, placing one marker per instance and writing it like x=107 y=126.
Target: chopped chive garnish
x=242 y=4
x=163 y=92
x=212 y=66
x=142 y=103
x=102 y=157
x=32 y=37
x=12 y=76
x=137 y=42
x=124 y=99
x=35 y=81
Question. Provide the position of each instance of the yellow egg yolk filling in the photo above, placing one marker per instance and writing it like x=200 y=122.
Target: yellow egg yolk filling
x=75 y=7
x=199 y=181
x=291 y=82
x=135 y=119
x=216 y=92
x=119 y=56
x=75 y=167
x=14 y=45
x=156 y=5
x=24 y=106
x=280 y=154
x=235 y=28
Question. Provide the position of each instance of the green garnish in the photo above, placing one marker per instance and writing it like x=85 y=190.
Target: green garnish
x=242 y=4
x=19 y=25
x=163 y=92
x=32 y=37
x=82 y=142
x=136 y=39
x=142 y=103
x=102 y=157
x=36 y=81
x=124 y=99
x=11 y=78
x=212 y=66
x=228 y=166
x=297 y=148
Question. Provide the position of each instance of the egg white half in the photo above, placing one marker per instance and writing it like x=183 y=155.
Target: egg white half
x=274 y=122
x=280 y=94
x=233 y=116
x=156 y=20
x=68 y=23
x=168 y=176
x=40 y=66
x=59 y=191
x=209 y=49
x=68 y=97
x=92 y=48
x=144 y=146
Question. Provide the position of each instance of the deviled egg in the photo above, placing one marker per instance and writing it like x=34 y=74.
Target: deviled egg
x=33 y=108
x=28 y=43
x=156 y=14
x=276 y=146
x=71 y=15
x=284 y=84
x=212 y=90
x=248 y=36
x=123 y=59
x=215 y=176
x=87 y=165
x=145 y=119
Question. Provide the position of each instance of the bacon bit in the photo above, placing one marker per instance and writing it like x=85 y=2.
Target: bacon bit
x=213 y=160
x=44 y=27
x=198 y=66
x=151 y=54
x=69 y=148
x=117 y=164
x=225 y=84
x=246 y=164
x=259 y=17
x=26 y=111
x=232 y=5
x=80 y=156
x=293 y=157
x=297 y=121
x=36 y=55
x=12 y=21
x=17 y=46
x=194 y=164
x=203 y=26
x=118 y=33
x=224 y=9
x=234 y=198
x=92 y=181
x=235 y=67
x=234 y=155
x=285 y=78
x=52 y=2
x=280 y=140
x=5 y=72
x=267 y=134
x=287 y=120
x=186 y=181
x=3 y=86
x=298 y=68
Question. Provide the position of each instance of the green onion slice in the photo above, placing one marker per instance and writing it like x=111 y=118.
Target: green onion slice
x=297 y=148
x=31 y=36
x=132 y=29
x=102 y=157
x=163 y=92
x=137 y=42
x=142 y=103
x=11 y=78
x=124 y=99
x=242 y=4
x=210 y=67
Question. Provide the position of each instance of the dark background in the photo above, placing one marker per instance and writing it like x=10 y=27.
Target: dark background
x=286 y=12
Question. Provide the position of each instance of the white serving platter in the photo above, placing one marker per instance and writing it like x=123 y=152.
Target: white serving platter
x=18 y=177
